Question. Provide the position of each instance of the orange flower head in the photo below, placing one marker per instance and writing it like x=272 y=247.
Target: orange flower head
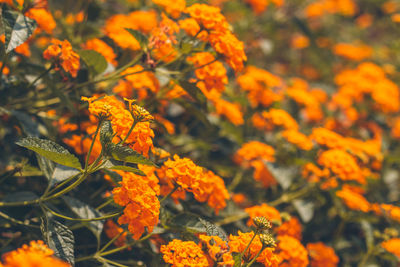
x=322 y=255
x=393 y=246
x=32 y=255
x=184 y=253
x=139 y=198
x=354 y=200
x=263 y=210
x=291 y=251
x=62 y=53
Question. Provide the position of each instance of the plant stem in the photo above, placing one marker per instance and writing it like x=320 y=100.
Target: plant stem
x=169 y=194
x=108 y=216
x=111 y=241
x=255 y=257
x=92 y=144
x=129 y=132
x=247 y=247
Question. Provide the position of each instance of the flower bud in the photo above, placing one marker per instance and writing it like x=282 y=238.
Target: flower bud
x=262 y=223
x=267 y=240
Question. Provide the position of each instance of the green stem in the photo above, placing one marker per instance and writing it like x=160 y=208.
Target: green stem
x=17 y=221
x=255 y=257
x=109 y=201
x=125 y=246
x=129 y=132
x=247 y=247
x=113 y=262
x=92 y=144
x=169 y=194
x=111 y=241
x=105 y=217
x=40 y=76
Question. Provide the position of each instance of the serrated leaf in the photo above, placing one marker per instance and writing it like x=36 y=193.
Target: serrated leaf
x=84 y=211
x=213 y=230
x=50 y=150
x=62 y=173
x=60 y=239
x=128 y=169
x=17 y=28
x=140 y=37
x=94 y=60
x=127 y=154
x=20 y=196
x=188 y=222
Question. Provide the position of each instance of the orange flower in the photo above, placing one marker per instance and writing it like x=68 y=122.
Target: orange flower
x=354 y=200
x=32 y=255
x=356 y=52
x=115 y=26
x=291 y=228
x=239 y=243
x=137 y=83
x=279 y=117
x=260 y=6
x=62 y=53
x=263 y=210
x=291 y=252
x=43 y=18
x=140 y=201
x=393 y=246
x=141 y=136
x=220 y=37
x=321 y=7
x=262 y=173
x=205 y=185
x=218 y=250
x=254 y=150
x=163 y=39
x=230 y=110
x=101 y=47
x=261 y=86
x=209 y=72
x=112 y=230
x=299 y=41
x=309 y=99
x=342 y=164
x=388 y=210
x=184 y=253
x=298 y=139
x=172 y=7
x=226 y=44
x=322 y=255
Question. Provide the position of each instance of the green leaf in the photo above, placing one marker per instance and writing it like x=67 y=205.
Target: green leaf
x=17 y=28
x=127 y=154
x=140 y=37
x=59 y=238
x=84 y=211
x=128 y=169
x=188 y=222
x=62 y=173
x=194 y=92
x=20 y=196
x=94 y=60
x=213 y=230
x=50 y=150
